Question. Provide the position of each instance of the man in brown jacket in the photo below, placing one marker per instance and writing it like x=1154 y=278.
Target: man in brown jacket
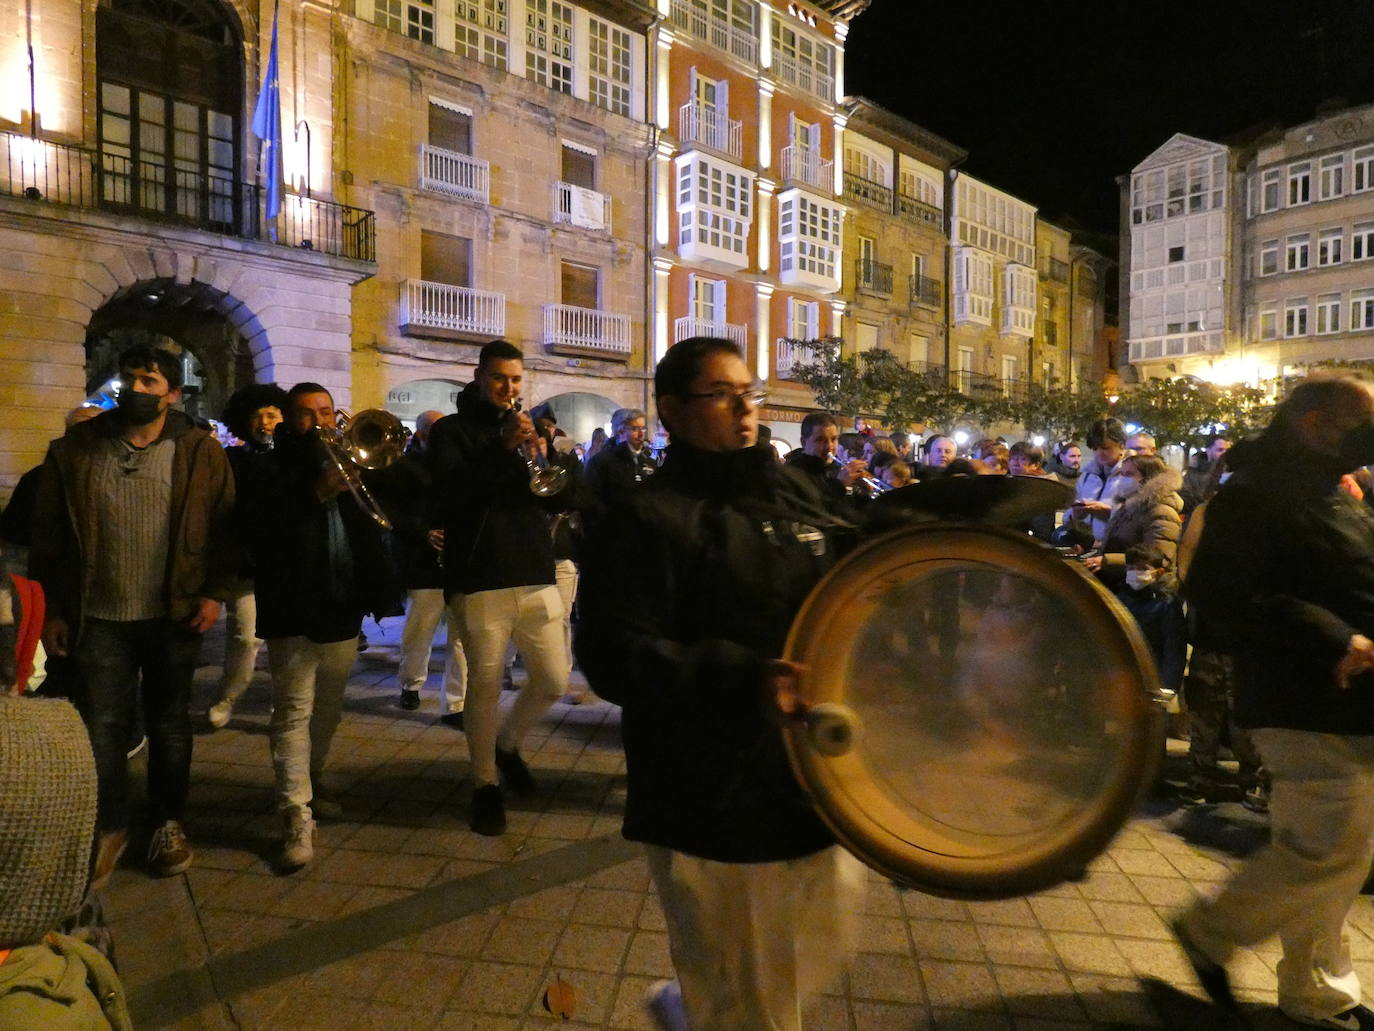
x=135 y=556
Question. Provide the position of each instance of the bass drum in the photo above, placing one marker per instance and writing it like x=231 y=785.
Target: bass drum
x=980 y=715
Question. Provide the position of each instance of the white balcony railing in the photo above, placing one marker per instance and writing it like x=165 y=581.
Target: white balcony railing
x=803 y=76
x=805 y=165
x=710 y=127
x=690 y=326
x=693 y=19
x=447 y=171
x=586 y=329
x=579 y=206
x=454 y=308
x=789 y=354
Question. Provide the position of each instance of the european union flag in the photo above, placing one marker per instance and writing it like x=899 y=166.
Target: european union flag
x=267 y=127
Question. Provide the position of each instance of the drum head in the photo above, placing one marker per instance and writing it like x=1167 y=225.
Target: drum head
x=982 y=713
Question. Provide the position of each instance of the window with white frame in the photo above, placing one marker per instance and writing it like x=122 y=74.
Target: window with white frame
x=1295 y=317
x=549 y=44
x=609 y=72
x=413 y=18
x=803 y=319
x=1269 y=190
x=1363 y=177
x=1329 y=247
x=1362 y=309
x=482 y=31
x=1018 y=299
x=715 y=206
x=1299 y=183
x=1269 y=257
x=1362 y=241
x=922 y=187
x=1329 y=313
x=803 y=61
x=1331 y=182
x=867 y=166
x=1179 y=189
x=1298 y=253
x=972 y=286
x=1269 y=323
x=808 y=235
x=708 y=299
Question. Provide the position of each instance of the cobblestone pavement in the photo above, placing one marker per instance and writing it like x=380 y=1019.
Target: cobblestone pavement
x=408 y=921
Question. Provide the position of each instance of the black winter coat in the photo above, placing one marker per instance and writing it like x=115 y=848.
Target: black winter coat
x=1285 y=573
x=686 y=593
x=615 y=472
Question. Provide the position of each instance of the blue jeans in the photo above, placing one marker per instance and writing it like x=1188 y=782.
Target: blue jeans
x=111 y=657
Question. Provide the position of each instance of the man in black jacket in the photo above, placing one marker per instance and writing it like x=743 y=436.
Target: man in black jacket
x=834 y=480
x=687 y=596
x=498 y=572
x=1285 y=570
x=617 y=469
x=319 y=564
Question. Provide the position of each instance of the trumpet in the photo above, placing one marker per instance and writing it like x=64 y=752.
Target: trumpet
x=370 y=440
x=875 y=486
x=545 y=480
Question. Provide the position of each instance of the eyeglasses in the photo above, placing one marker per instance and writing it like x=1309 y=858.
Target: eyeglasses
x=750 y=397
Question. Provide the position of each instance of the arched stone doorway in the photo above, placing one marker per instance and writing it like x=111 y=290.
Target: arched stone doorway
x=408 y=400
x=580 y=412
x=216 y=359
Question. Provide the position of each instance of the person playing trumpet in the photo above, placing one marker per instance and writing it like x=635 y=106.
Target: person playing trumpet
x=499 y=575
x=319 y=564
x=841 y=484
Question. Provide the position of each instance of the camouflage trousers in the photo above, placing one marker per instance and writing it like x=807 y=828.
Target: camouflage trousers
x=1209 y=690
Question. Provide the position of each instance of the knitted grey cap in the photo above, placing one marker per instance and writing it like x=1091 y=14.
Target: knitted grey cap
x=47 y=815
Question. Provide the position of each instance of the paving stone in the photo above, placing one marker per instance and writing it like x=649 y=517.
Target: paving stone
x=1091 y=953
x=959 y=985
x=589 y=947
x=1017 y=946
x=946 y=939
x=886 y=979
x=1056 y=914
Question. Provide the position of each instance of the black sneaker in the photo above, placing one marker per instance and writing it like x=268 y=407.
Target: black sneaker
x=410 y=699
x=1210 y=974
x=488 y=816
x=1256 y=799
x=514 y=773
x=1357 y=1018
x=452 y=719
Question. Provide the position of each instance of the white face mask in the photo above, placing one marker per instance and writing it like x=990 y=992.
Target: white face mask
x=1138 y=578
x=1126 y=487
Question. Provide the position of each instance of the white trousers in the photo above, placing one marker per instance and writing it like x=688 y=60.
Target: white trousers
x=565 y=579
x=1302 y=884
x=308 y=681
x=424 y=611
x=241 y=645
x=531 y=617
x=753 y=943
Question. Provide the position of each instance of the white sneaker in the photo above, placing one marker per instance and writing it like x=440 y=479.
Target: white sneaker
x=298 y=841
x=219 y=714
x=664 y=1002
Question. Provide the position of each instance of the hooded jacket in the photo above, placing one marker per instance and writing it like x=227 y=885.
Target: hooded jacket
x=202 y=561
x=1285 y=573
x=686 y=594
x=1151 y=517
x=1097 y=482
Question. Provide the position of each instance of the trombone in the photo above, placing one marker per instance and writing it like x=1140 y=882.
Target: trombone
x=370 y=440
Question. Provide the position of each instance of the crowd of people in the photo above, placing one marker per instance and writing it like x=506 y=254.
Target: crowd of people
x=684 y=575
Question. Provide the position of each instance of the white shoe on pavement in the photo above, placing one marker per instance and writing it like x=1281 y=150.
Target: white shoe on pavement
x=298 y=840
x=664 y=1003
x=219 y=714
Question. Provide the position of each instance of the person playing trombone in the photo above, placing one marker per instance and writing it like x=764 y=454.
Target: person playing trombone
x=499 y=577
x=320 y=564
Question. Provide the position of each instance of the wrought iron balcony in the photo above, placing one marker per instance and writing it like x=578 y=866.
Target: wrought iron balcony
x=579 y=206
x=586 y=331
x=926 y=291
x=690 y=326
x=804 y=165
x=710 y=127
x=458 y=310
x=935 y=375
x=918 y=210
x=56 y=173
x=459 y=175
x=696 y=20
x=873 y=277
x=867 y=191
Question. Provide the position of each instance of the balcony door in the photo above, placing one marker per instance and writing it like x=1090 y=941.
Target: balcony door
x=170 y=86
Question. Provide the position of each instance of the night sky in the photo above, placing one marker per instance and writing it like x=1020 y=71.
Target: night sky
x=1054 y=99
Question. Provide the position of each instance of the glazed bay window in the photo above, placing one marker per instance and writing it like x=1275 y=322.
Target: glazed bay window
x=1299 y=183
x=608 y=50
x=1018 y=300
x=1329 y=313
x=1298 y=253
x=1363 y=177
x=1330 y=247
x=1269 y=257
x=549 y=44
x=1362 y=241
x=1295 y=317
x=715 y=208
x=482 y=31
x=1332 y=179
x=809 y=241
x=972 y=286
x=1362 y=309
